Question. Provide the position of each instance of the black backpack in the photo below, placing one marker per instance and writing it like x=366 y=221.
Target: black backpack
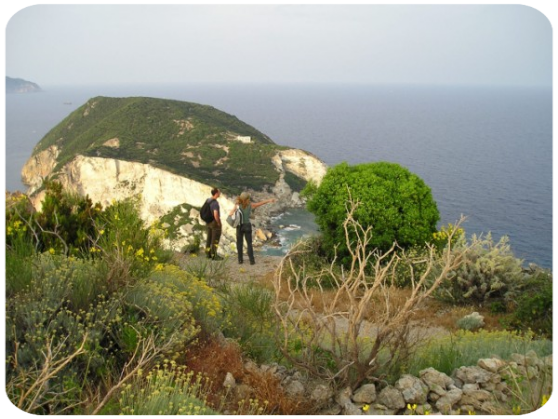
x=205 y=212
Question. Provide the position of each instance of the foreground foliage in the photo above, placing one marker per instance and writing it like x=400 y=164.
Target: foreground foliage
x=533 y=307
x=105 y=322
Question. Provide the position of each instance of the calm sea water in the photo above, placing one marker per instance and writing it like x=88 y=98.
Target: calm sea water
x=486 y=152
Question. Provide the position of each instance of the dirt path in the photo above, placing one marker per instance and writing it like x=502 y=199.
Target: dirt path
x=263 y=270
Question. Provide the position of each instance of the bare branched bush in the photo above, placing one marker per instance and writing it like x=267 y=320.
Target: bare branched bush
x=30 y=391
x=323 y=330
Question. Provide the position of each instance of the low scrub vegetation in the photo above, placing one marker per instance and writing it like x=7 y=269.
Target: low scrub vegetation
x=181 y=137
x=100 y=319
x=329 y=335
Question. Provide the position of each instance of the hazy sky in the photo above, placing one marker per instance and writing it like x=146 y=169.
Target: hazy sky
x=367 y=43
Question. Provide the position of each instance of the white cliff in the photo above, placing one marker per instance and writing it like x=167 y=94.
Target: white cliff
x=106 y=180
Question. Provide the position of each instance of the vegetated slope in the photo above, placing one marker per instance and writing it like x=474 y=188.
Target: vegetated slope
x=188 y=139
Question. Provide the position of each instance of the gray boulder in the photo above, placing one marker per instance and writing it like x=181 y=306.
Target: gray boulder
x=413 y=389
x=391 y=398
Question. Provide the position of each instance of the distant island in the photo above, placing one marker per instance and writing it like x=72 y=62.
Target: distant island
x=21 y=86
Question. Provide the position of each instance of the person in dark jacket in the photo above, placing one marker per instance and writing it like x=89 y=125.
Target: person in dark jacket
x=215 y=227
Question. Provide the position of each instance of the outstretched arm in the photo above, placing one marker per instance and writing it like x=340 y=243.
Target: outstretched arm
x=259 y=204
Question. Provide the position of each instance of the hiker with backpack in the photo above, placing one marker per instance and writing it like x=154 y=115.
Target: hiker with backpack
x=211 y=213
x=244 y=228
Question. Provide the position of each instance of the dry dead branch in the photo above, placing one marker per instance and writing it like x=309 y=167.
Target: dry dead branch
x=329 y=341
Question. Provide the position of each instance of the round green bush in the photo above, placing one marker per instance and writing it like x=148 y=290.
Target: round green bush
x=396 y=203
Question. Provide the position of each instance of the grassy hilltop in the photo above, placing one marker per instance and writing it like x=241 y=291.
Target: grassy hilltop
x=188 y=139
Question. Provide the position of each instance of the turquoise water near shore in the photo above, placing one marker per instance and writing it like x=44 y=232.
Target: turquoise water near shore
x=290 y=227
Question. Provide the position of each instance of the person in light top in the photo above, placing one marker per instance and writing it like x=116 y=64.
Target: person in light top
x=244 y=229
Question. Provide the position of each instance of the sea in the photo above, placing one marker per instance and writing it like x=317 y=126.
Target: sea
x=485 y=151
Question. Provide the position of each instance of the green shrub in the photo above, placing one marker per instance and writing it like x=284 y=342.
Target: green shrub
x=69 y=308
x=251 y=320
x=171 y=303
x=19 y=215
x=471 y=322
x=440 y=238
x=413 y=263
x=62 y=310
x=165 y=391
x=77 y=325
x=311 y=260
x=129 y=248
x=533 y=308
x=191 y=294
x=490 y=273
x=395 y=203
x=66 y=222
x=202 y=268
x=20 y=255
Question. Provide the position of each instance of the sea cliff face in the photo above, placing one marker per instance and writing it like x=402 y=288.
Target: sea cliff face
x=105 y=180
x=300 y=163
x=39 y=167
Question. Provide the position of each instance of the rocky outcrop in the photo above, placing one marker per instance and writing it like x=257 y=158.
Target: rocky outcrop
x=300 y=163
x=38 y=168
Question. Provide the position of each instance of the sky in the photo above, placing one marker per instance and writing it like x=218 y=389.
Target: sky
x=74 y=44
